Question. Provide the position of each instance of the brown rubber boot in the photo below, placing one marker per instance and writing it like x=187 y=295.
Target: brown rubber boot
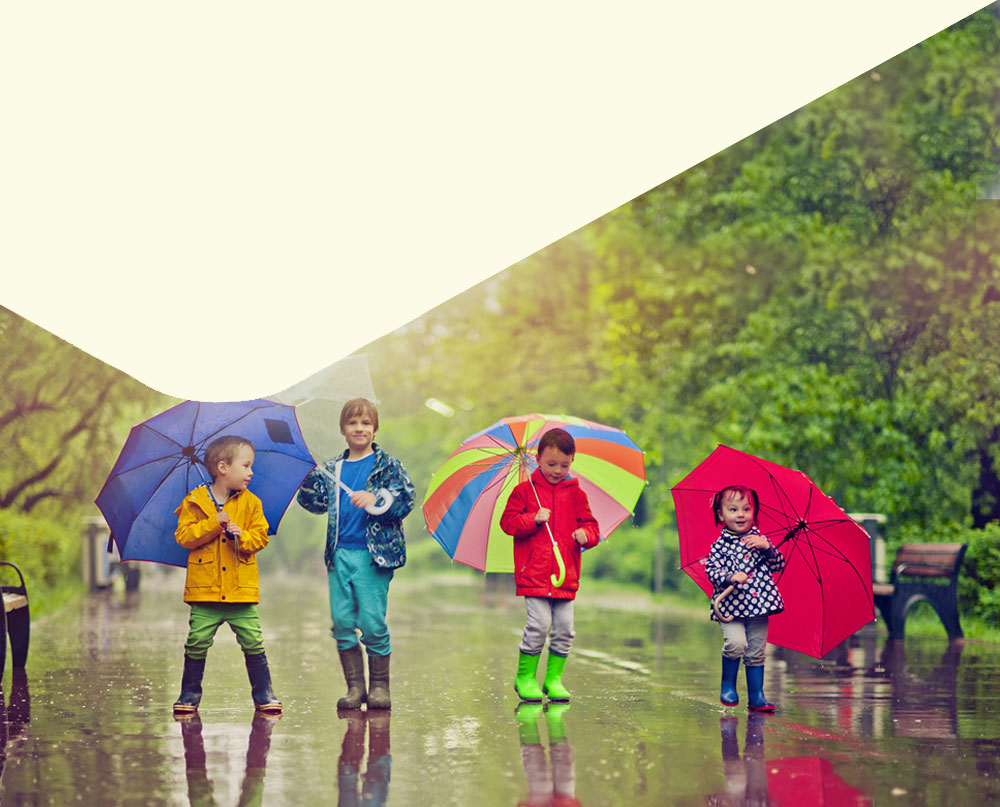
x=354 y=673
x=378 y=682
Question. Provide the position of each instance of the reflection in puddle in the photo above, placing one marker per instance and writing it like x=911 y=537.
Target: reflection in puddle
x=15 y=715
x=547 y=787
x=201 y=792
x=779 y=783
x=920 y=691
x=373 y=788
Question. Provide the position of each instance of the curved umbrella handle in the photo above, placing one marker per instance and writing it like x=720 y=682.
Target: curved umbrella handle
x=558 y=581
x=715 y=604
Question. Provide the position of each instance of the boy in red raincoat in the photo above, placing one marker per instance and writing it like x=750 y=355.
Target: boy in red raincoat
x=549 y=507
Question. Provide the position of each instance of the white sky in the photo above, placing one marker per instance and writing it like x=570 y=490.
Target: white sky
x=288 y=182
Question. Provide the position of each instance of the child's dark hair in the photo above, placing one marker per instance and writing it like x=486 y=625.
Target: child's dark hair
x=557 y=438
x=736 y=492
x=356 y=407
x=224 y=449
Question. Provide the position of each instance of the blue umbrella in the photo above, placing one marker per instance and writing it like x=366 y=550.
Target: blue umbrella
x=163 y=460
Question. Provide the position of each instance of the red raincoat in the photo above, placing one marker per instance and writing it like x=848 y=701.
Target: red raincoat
x=534 y=561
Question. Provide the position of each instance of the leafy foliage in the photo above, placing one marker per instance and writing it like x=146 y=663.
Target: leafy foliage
x=979 y=584
x=63 y=417
x=824 y=293
x=46 y=553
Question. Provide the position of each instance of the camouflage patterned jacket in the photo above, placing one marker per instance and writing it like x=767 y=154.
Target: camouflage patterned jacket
x=385 y=530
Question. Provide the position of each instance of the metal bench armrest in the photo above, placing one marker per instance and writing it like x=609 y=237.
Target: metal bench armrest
x=24 y=587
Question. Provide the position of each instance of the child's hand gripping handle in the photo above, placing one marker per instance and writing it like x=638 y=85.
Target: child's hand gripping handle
x=715 y=604
x=383 y=500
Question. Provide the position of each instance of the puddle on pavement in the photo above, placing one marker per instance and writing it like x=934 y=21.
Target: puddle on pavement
x=874 y=723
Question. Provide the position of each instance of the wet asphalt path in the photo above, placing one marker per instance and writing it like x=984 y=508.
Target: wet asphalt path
x=876 y=723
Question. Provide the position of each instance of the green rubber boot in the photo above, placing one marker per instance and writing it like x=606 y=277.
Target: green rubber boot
x=525 y=684
x=553 y=685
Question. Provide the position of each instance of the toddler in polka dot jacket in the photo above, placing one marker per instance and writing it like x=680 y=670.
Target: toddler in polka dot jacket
x=745 y=560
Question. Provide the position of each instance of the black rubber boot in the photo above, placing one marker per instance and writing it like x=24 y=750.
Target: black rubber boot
x=190 y=697
x=353 y=663
x=260 y=684
x=378 y=682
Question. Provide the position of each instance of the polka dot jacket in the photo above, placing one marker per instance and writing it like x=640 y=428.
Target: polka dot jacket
x=759 y=595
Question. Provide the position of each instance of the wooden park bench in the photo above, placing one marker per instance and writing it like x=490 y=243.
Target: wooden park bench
x=15 y=621
x=922 y=572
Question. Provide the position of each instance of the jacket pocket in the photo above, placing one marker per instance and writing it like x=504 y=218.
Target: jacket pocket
x=527 y=562
x=246 y=572
x=202 y=568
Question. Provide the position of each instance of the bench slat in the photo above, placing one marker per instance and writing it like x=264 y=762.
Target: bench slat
x=12 y=602
x=927 y=560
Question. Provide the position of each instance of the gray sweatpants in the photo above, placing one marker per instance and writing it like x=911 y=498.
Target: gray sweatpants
x=545 y=613
x=746 y=639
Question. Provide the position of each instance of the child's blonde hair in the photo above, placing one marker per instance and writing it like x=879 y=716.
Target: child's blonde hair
x=224 y=449
x=358 y=407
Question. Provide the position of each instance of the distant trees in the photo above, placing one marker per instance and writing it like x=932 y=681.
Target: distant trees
x=63 y=417
x=825 y=293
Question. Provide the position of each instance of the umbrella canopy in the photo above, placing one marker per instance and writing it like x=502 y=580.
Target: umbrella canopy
x=163 y=460
x=468 y=493
x=319 y=398
x=826 y=584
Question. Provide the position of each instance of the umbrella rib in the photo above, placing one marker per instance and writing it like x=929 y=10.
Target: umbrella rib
x=179 y=461
x=833 y=551
x=230 y=424
x=161 y=434
x=151 y=462
x=194 y=422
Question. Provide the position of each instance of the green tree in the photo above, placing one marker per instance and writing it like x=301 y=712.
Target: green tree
x=63 y=417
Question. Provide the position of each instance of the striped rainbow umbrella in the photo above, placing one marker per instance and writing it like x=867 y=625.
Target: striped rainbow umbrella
x=468 y=493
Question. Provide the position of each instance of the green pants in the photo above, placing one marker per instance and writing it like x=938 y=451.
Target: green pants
x=208 y=617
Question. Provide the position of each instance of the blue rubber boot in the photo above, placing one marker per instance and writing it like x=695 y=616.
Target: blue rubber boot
x=728 y=695
x=756 y=702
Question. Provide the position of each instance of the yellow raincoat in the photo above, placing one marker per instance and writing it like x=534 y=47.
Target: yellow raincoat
x=213 y=572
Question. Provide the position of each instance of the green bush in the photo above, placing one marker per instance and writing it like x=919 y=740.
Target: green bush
x=47 y=553
x=979 y=582
x=629 y=556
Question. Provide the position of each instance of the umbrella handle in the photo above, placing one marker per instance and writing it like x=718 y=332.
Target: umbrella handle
x=557 y=581
x=715 y=605
x=375 y=509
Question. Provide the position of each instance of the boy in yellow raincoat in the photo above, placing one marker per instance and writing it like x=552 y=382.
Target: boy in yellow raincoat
x=224 y=528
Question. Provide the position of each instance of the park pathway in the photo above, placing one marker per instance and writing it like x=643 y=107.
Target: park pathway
x=876 y=723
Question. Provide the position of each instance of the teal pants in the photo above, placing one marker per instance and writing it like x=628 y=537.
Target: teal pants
x=208 y=617
x=359 y=596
